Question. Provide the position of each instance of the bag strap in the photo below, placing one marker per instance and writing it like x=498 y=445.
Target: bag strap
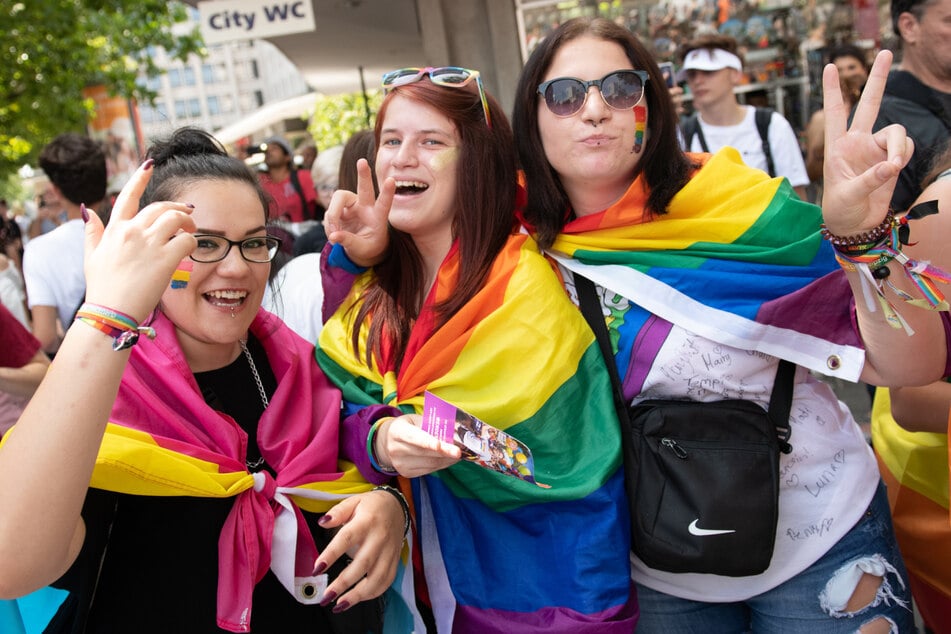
x=691 y=128
x=763 y=117
x=904 y=85
x=304 y=207
x=780 y=400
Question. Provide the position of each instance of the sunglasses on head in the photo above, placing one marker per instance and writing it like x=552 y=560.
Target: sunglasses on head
x=451 y=76
x=620 y=89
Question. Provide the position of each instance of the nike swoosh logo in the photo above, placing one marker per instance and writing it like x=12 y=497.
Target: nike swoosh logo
x=703 y=532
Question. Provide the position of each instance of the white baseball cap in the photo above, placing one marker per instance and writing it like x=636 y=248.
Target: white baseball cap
x=711 y=59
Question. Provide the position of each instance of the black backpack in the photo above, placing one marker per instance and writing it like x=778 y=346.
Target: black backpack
x=691 y=128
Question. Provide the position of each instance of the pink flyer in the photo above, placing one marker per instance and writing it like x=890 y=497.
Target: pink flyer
x=480 y=442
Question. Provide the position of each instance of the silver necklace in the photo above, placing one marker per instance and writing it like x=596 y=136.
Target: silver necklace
x=253 y=466
x=254 y=371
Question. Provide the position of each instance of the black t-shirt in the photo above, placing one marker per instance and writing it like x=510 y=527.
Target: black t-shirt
x=159 y=555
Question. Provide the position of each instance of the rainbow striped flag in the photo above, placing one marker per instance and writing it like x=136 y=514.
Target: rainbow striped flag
x=914 y=466
x=500 y=554
x=737 y=259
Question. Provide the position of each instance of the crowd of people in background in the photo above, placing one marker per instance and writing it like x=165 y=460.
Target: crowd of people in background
x=287 y=318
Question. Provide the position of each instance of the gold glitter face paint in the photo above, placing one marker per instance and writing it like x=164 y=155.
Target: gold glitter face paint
x=444 y=158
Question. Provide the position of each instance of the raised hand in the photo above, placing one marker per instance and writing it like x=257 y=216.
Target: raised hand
x=357 y=221
x=861 y=167
x=129 y=263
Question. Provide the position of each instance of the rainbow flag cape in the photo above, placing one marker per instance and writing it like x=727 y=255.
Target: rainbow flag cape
x=914 y=466
x=164 y=440
x=500 y=554
x=737 y=259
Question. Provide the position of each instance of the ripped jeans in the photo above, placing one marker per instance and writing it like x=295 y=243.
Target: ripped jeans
x=816 y=601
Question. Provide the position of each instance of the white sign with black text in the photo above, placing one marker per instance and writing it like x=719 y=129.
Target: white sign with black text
x=231 y=20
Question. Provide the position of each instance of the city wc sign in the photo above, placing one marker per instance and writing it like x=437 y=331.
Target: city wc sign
x=230 y=20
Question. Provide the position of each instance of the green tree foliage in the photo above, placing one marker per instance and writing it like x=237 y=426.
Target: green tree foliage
x=52 y=49
x=337 y=117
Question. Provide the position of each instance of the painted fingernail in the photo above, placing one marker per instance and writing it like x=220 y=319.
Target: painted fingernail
x=189 y=205
x=329 y=597
x=148 y=164
x=320 y=567
x=326 y=519
x=340 y=607
x=83 y=212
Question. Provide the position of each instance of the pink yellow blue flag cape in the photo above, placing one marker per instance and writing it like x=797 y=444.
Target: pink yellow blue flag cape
x=163 y=439
x=914 y=466
x=501 y=554
x=737 y=259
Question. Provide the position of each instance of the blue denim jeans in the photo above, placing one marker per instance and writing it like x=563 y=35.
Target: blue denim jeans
x=807 y=603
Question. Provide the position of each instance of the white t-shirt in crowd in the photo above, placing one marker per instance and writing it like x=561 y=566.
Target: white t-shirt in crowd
x=783 y=144
x=53 y=269
x=296 y=296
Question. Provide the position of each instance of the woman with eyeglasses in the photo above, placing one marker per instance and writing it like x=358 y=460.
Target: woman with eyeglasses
x=217 y=499
x=708 y=273
x=463 y=307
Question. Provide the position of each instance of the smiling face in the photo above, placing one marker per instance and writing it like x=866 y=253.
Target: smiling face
x=215 y=309
x=592 y=151
x=419 y=149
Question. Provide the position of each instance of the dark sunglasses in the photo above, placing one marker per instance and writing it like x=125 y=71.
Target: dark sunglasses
x=620 y=89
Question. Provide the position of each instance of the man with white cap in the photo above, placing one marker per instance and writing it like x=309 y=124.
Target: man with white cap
x=713 y=68
x=292 y=190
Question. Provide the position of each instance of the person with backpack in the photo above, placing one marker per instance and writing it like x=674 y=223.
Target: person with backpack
x=293 y=197
x=713 y=67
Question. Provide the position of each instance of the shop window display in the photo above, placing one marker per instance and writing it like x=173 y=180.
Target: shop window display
x=782 y=40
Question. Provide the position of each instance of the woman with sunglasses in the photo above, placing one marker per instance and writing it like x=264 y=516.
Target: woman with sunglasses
x=462 y=307
x=710 y=272
x=211 y=484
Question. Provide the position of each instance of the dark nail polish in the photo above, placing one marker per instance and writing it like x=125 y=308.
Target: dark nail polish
x=340 y=607
x=329 y=597
x=84 y=213
x=326 y=519
x=148 y=164
x=320 y=567
x=189 y=205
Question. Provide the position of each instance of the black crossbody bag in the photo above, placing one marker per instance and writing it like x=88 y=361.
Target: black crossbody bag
x=702 y=479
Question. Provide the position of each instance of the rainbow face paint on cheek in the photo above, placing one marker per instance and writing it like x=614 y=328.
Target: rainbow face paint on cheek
x=640 y=124
x=182 y=274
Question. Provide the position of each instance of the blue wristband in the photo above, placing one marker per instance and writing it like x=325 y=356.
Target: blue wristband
x=338 y=258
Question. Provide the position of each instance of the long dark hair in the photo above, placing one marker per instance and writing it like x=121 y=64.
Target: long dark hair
x=664 y=165
x=484 y=218
x=191 y=155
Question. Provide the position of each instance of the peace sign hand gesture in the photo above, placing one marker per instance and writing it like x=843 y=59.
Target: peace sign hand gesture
x=358 y=221
x=861 y=167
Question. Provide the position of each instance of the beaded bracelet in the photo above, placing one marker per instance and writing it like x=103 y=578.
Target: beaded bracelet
x=873 y=264
x=372 y=454
x=402 y=500
x=122 y=328
x=863 y=241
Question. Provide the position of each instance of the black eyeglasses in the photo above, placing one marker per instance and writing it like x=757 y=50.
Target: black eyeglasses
x=620 y=89
x=211 y=248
